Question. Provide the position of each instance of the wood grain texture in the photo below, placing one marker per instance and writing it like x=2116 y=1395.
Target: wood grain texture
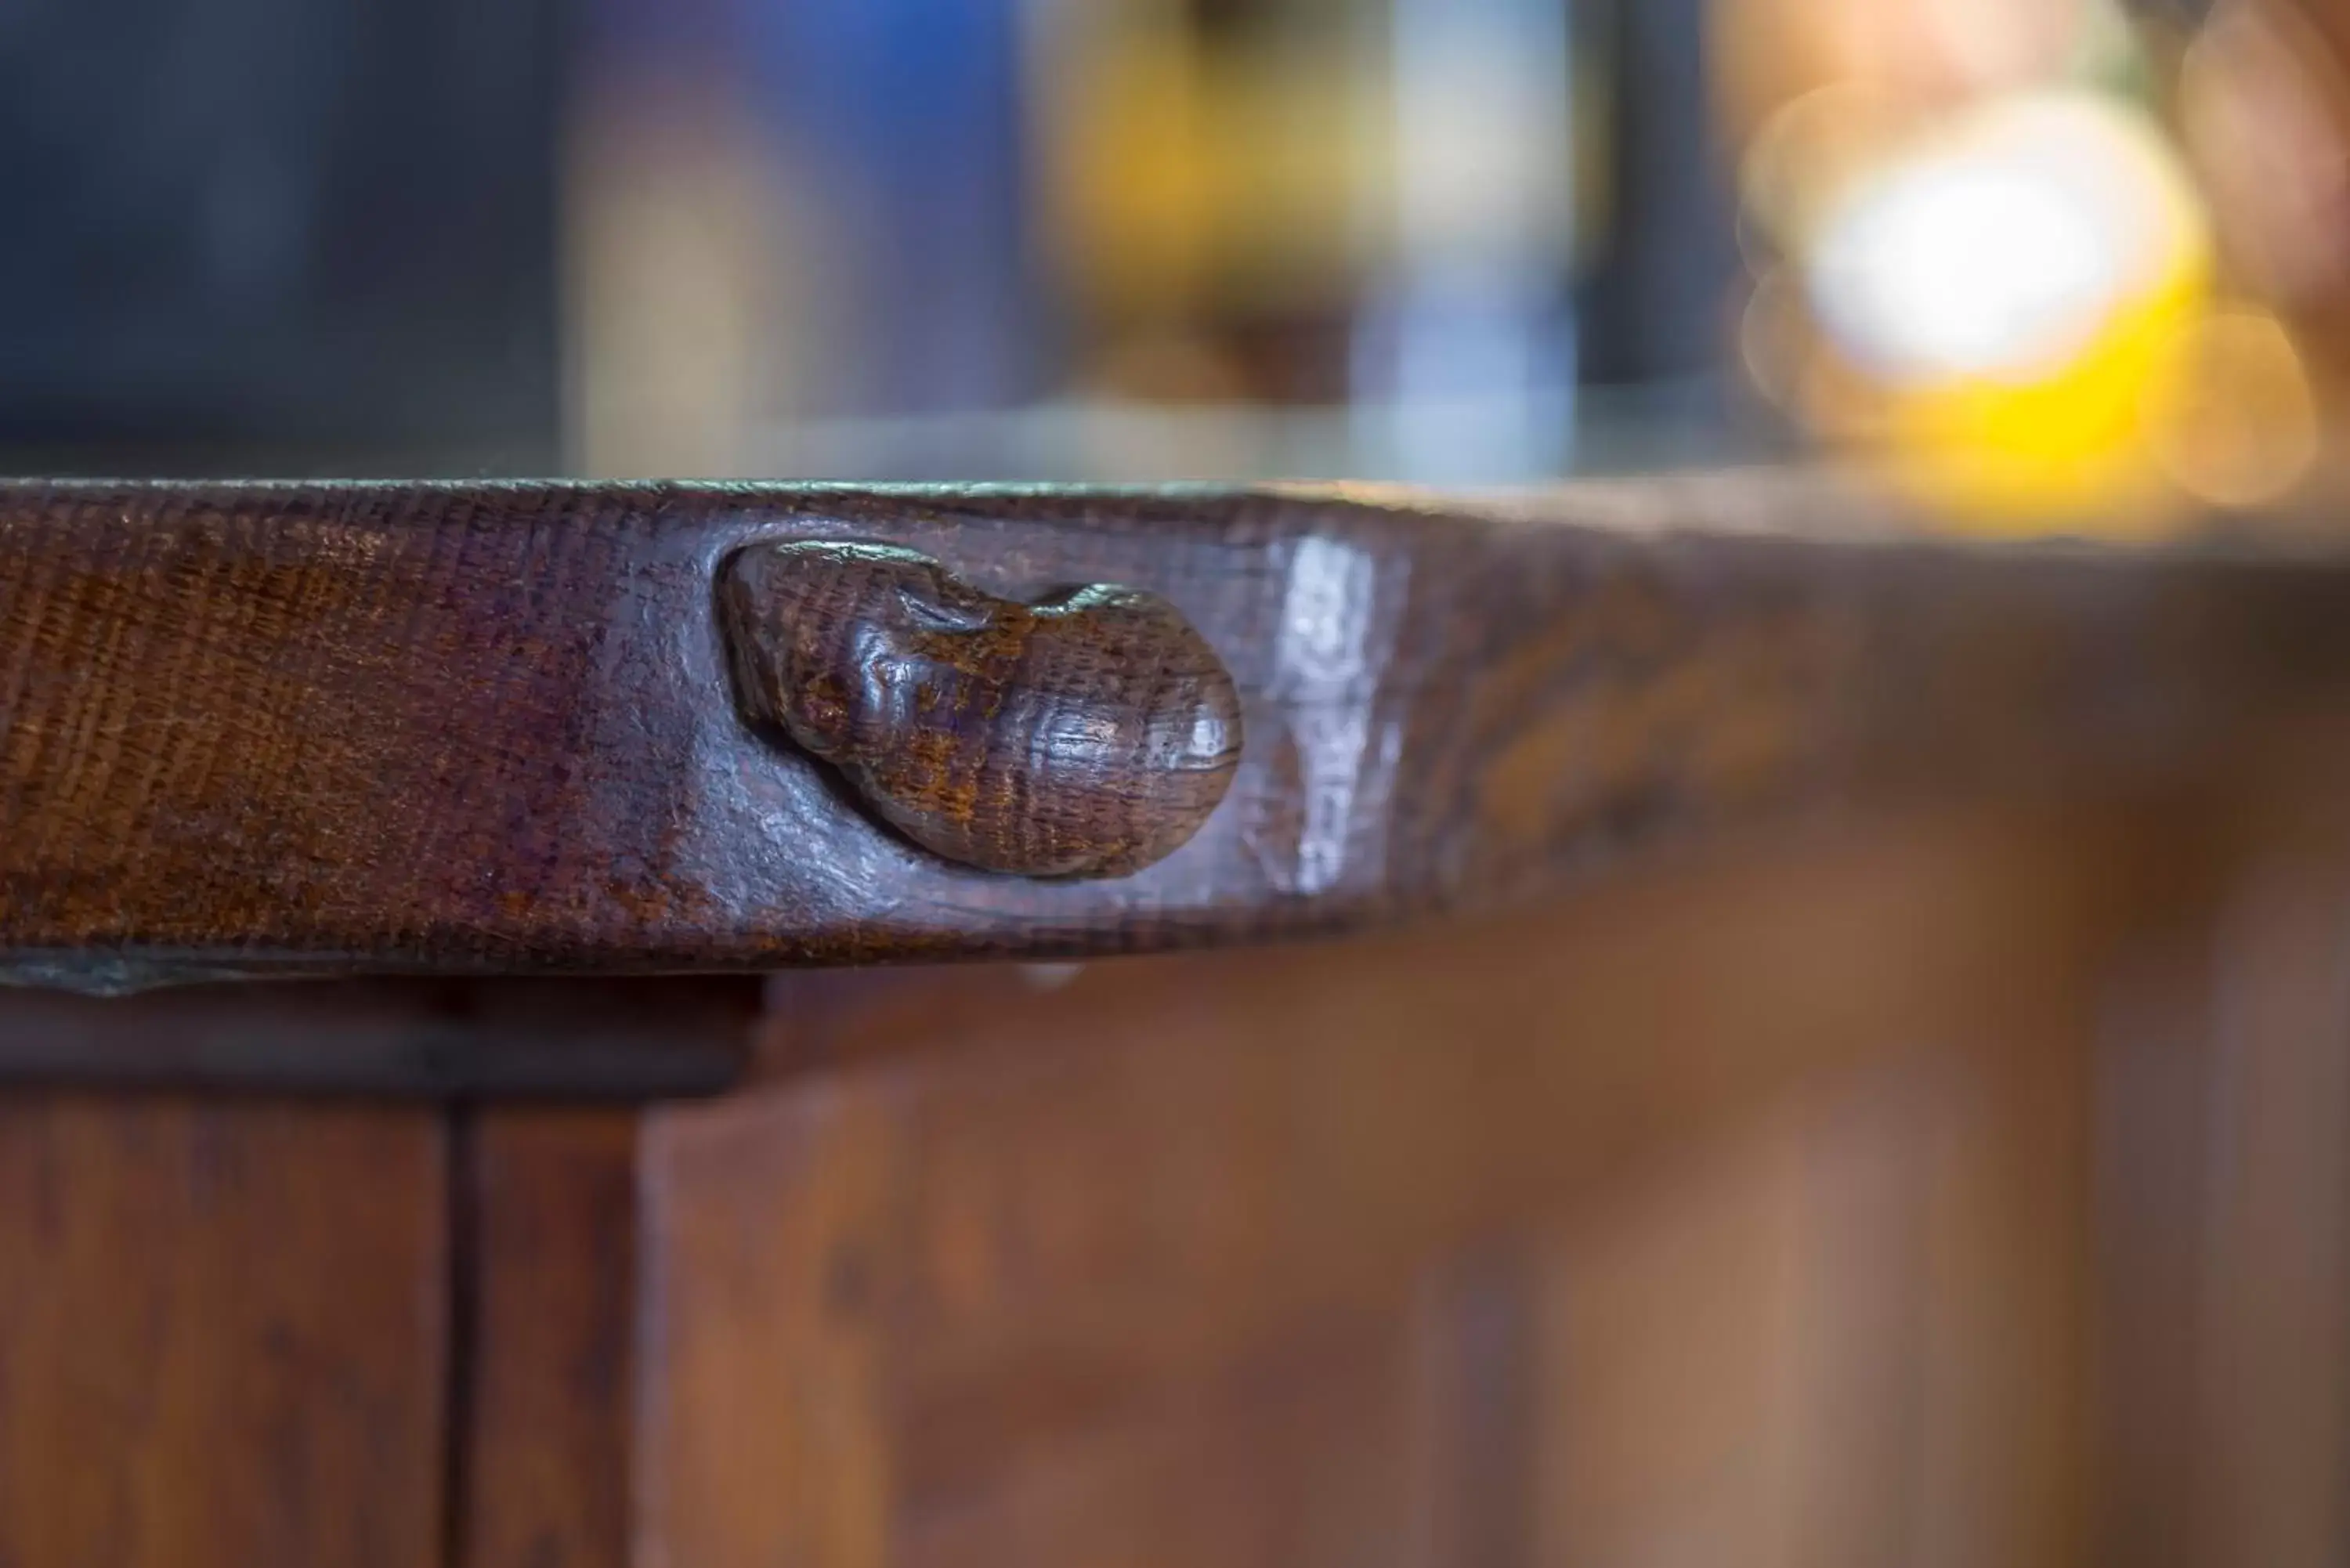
x=544 y=1440
x=1088 y=736
x=484 y=728
x=2222 y=1269
x=1503 y=1243
x=222 y=1335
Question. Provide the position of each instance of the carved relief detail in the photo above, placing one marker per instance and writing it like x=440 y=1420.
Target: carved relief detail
x=1088 y=735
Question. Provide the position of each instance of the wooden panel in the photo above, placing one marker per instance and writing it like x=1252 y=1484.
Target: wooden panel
x=549 y=1302
x=1846 y=1335
x=476 y=728
x=2224 y=1213
x=1731 y=1207
x=222 y=1335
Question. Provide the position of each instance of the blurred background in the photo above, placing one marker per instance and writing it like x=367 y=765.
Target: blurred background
x=2043 y=263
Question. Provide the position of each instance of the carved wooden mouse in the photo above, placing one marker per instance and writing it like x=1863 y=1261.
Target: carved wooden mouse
x=1084 y=736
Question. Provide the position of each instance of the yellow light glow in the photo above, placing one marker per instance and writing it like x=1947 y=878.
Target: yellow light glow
x=2018 y=294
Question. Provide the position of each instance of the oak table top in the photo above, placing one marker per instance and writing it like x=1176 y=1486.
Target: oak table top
x=476 y=729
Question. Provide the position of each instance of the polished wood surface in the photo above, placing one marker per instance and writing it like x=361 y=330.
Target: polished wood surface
x=2221 y=1258
x=222 y=1335
x=1511 y=1244
x=549 y=1308
x=488 y=728
x=1942 y=1189
x=1927 y=1150
x=1088 y=736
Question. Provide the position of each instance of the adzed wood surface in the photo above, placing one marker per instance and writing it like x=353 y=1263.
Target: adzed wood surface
x=472 y=728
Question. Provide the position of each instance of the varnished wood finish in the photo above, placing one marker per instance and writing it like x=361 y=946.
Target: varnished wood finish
x=2222 y=1192
x=549 y=1307
x=1088 y=736
x=1708 y=1219
x=1813 y=1201
x=476 y=728
x=222 y=1335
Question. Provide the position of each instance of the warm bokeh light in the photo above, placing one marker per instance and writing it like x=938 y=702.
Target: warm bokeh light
x=1807 y=153
x=2065 y=266
x=2242 y=427
x=2264 y=115
x=1930 y=54
x=2018 y=288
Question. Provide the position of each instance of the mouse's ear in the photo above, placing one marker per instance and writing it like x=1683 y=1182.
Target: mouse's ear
x=934 y=611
